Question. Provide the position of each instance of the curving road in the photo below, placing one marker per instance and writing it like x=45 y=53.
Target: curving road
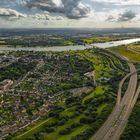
x=116 y=122
x=122 y=116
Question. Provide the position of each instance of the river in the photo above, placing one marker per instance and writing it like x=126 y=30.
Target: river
x=67 y=48
x=116 y=43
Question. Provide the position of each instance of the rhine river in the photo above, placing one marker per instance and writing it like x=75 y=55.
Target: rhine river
x=67 y=48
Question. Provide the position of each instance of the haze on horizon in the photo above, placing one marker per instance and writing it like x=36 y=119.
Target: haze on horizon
x=69 y=13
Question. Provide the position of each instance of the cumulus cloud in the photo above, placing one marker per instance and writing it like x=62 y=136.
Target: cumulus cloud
x=120 y=2
x=127 y=16
x=122 y=16
x=49 y=5
x=59 y=18
x=73 y=9
x=7 y=13
x=40 y=17
x=104 y=13
x=110 y=18
x=45 y=16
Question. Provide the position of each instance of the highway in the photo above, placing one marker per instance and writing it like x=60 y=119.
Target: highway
x=117 y=121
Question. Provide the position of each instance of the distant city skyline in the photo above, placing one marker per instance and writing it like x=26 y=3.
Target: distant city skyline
x=69 y=13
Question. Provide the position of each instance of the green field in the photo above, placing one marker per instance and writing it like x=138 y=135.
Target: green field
x=99 y=39
x=126 y=52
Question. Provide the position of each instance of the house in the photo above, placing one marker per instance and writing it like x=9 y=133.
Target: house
x=4 y=85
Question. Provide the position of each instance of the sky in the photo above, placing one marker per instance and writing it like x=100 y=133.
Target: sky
x=69 y=13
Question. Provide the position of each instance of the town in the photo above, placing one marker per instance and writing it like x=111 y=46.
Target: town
x=47 y=94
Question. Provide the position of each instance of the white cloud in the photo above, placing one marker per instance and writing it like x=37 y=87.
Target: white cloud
x=10 y=13
x=45 y=16
x=64 y=13
x=120 y=2
x=73 y=9
x=40 y=16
